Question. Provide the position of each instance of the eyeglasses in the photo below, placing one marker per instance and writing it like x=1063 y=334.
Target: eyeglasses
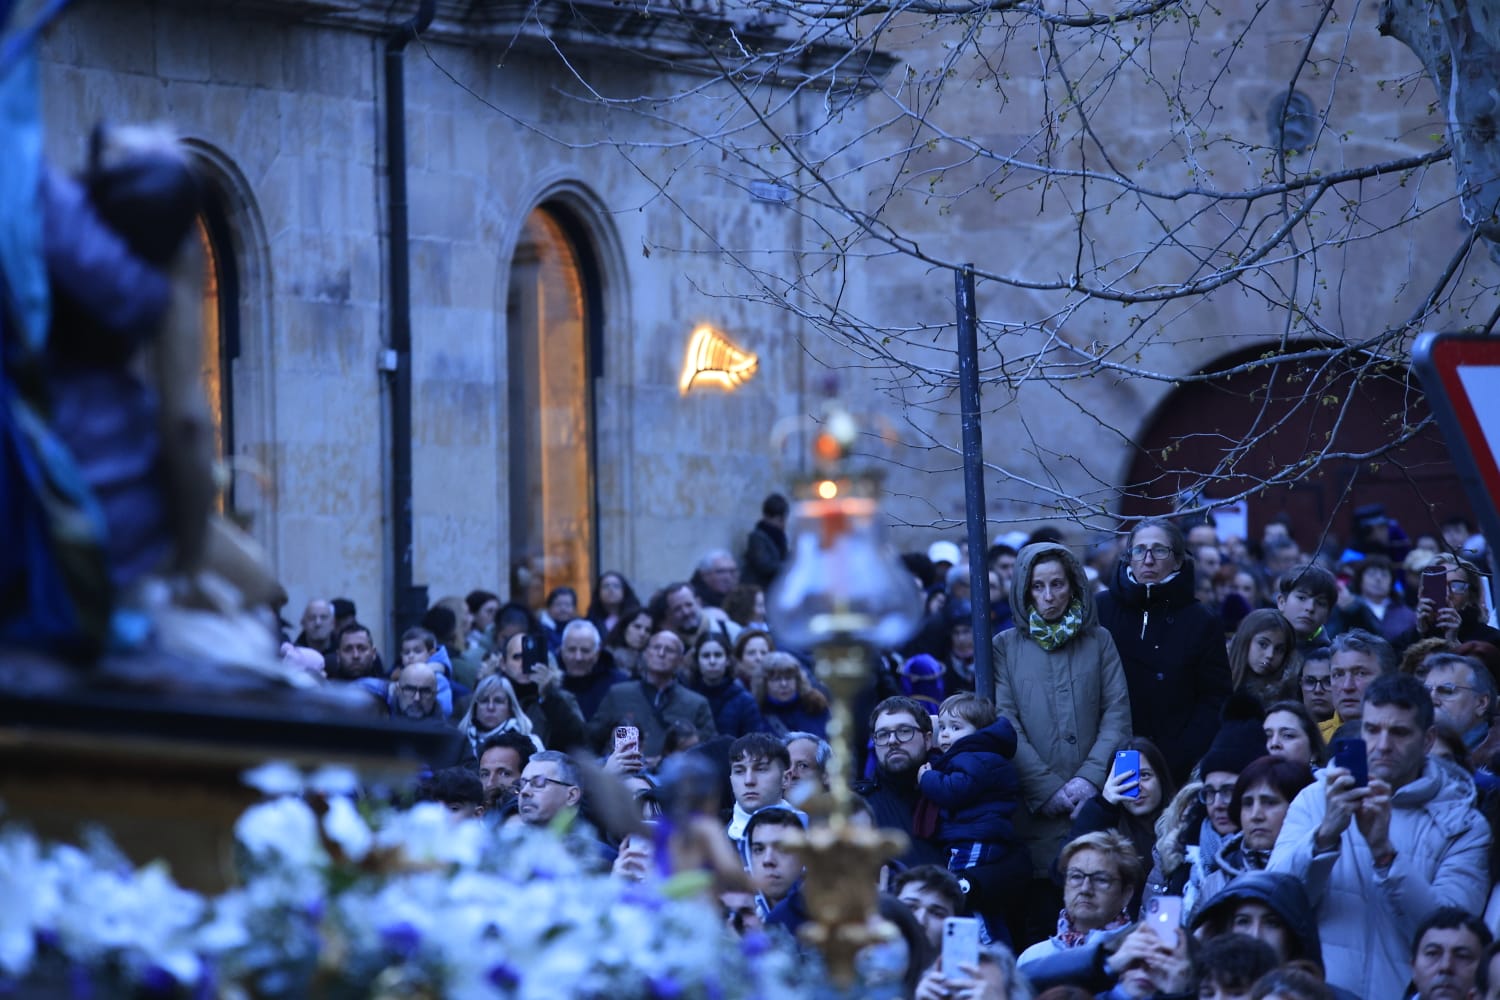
x=1209 y=794
x=1446 y=690
x=1154 y=551
x=537 y=782
x=900 y=734
x=418 y=692
x=1314 y=683
x=1458 y=586
x=1102 y=881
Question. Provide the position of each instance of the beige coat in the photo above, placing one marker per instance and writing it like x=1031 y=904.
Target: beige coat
x=1070 y=707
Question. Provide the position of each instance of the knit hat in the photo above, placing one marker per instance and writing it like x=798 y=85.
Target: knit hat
x=1240 y=739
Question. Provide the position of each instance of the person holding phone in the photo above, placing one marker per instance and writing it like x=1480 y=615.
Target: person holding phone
x=1134 y=797
x=555 y=717
x=1452 y=604
x=1376 y=859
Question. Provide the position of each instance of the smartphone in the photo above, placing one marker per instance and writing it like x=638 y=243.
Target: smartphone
x=1435 y=586
x=1129 y=761
x=1164 y=916
x=960 y=944
x=533 y=652
x=1350 y=754
x=627 y=738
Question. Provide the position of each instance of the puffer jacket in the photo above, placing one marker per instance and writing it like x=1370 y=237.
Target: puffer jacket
x=1070 y=707
x=1172 y=648
x=976 y=787
x=1368 y=920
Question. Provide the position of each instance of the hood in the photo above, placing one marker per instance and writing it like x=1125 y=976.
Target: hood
x=1178 y=592
x=1020 y=582
x=998 y=737
x=1279 y=891
x=1444 y=789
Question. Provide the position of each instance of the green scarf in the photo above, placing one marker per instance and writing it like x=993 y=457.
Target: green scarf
x=1052 y=635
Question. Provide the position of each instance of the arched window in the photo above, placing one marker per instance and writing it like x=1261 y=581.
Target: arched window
x=220 y=320
x=553 y=320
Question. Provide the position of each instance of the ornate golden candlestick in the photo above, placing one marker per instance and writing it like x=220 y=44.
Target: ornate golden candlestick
x=842 y=593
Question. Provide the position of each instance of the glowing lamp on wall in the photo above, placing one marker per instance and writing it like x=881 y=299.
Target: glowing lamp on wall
x=712 y=360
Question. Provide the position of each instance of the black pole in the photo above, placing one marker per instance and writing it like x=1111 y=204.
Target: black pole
x=410 y=599
x=975 y=511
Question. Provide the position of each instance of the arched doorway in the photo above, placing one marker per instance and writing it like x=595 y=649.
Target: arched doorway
x=554 y=326
x=1205 y=427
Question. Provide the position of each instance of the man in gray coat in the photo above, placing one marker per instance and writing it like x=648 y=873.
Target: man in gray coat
x=1377 y=860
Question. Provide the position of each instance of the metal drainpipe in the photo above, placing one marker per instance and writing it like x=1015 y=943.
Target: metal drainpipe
x=410 y=599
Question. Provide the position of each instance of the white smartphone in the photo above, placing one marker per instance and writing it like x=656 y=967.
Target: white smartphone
x=1164 y=916
x=627 y=738
x=960 y=944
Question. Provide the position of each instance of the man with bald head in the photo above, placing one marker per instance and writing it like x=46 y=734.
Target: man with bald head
x=416 y=693
x=317 y=626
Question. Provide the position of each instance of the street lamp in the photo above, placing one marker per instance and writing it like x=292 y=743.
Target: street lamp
x=842 y=594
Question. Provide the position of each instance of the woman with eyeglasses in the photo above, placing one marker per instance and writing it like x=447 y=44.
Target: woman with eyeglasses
x=494 y=709
x=1059 y=681
x=1462 y=616
x=789 y=703
x=1172 y=647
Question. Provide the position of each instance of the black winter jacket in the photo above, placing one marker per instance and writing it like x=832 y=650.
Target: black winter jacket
x=1172 y=648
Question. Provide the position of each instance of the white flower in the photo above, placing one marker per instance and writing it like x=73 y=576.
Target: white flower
x=286 y=829
x=274 y=778
x=331 y=780
x=346 y=827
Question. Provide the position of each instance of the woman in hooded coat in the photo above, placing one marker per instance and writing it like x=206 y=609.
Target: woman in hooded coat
x=1058 y=679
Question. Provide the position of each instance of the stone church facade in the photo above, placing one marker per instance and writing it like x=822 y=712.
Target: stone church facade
x=549 y=428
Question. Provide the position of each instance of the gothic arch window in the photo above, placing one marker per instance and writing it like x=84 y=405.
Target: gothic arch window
x=238 y=357
x=220 y=319
x=554 y=323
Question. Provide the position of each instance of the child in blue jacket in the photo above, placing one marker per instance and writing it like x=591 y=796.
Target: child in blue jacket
x=976 y=789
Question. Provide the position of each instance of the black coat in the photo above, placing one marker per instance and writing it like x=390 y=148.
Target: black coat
x=893 y=801
x=1172 y=648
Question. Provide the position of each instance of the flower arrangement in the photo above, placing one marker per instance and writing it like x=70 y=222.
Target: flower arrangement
x=337 y=902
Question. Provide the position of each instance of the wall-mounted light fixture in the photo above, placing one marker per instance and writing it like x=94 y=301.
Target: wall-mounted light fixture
x=713 y=360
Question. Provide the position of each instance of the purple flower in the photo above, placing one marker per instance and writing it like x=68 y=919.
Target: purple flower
x=314 y=909
x=664 y=987
x=156 y=980
x=755 y=944
x=80 y=983
x=635 y=895
x=401 y=938
x=505 y=977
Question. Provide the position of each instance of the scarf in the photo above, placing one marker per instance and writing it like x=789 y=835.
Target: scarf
x=1067 y=937
x=1052 y=635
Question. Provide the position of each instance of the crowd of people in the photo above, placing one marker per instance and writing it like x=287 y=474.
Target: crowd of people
x=1211 y=767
